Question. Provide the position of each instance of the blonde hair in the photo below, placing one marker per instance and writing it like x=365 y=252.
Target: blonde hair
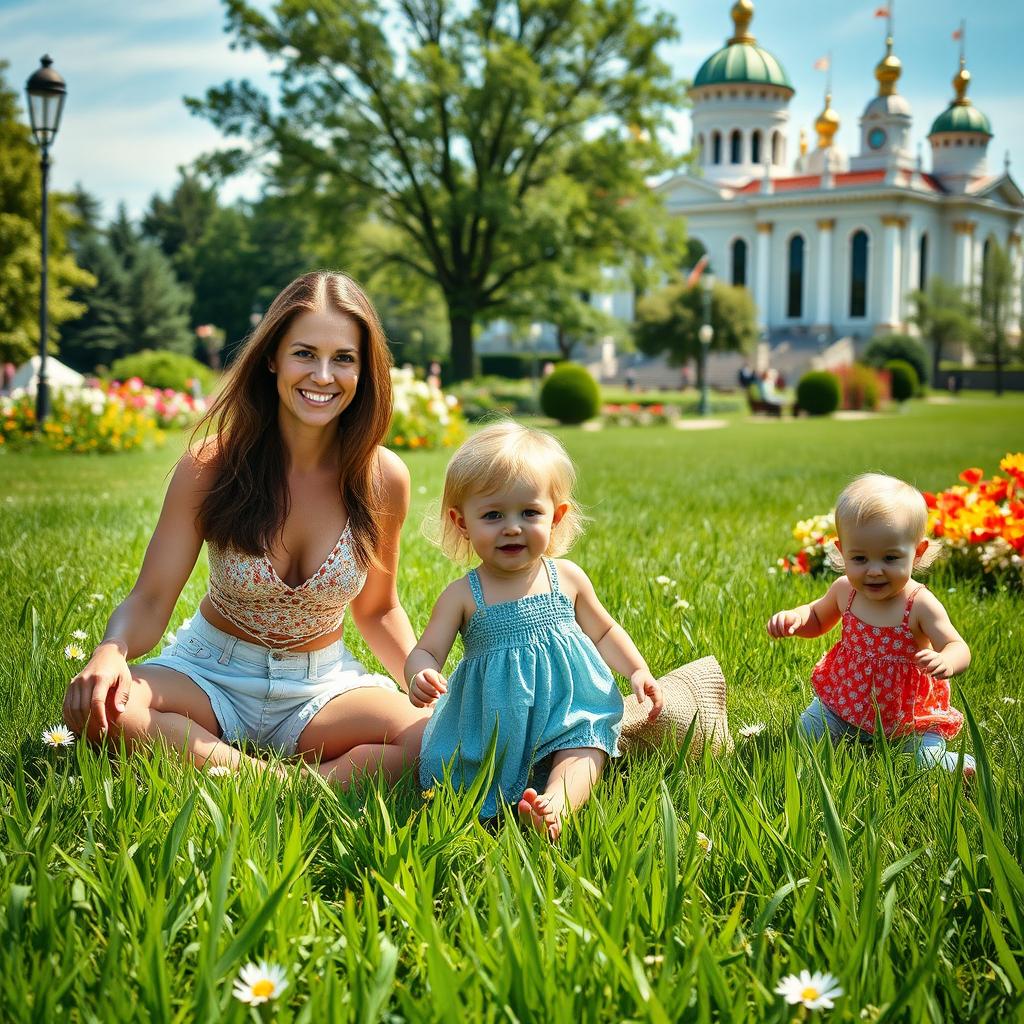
x=875 y=497
x=488 y=461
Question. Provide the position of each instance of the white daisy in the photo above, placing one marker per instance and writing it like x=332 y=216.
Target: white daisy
x=704 y=842
x=79 y=634
x=814 y=991
x=748 y=732
x=96 y=597
x=218 y=771
x=73 y=652
x=681 y=604
x=58 y=736
x=256 y=983
x=662 y=581
x=1010 y=700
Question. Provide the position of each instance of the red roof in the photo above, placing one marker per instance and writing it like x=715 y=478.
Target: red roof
x=845 y=179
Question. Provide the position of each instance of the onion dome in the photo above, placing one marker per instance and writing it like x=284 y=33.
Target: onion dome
x=827 y=124
x=888 y=70
x=961 y=115
x=741 y=61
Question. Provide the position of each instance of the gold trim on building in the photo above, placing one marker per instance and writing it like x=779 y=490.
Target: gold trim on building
x=742 y=14
x=764 y=227
x=827 y=224
x=964 y=227
x=892 y=220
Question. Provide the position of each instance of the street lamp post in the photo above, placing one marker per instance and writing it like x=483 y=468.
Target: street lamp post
x=705 y=334
x=535 y=332
x=46 y=92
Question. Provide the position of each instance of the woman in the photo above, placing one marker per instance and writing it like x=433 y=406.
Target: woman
x=301 y=510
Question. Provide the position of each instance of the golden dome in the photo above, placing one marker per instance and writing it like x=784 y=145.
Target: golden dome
x=827 y=124
x=742 y=13
x=888 y=70
x=961 y=80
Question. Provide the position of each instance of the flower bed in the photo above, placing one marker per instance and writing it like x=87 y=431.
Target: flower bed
x=172 y=410
x=636 y=414
x=424 y=417
x=979 y=522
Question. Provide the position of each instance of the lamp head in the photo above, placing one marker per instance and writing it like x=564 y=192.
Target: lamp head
x=46 y=93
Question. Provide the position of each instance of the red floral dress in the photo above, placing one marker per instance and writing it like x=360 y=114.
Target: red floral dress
x=873 y=666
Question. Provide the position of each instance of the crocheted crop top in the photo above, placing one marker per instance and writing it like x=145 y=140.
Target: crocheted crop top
x=247 y=591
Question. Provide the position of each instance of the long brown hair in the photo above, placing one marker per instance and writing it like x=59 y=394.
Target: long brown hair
x=248 y=504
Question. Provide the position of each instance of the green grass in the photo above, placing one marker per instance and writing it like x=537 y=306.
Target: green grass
x=135 y=889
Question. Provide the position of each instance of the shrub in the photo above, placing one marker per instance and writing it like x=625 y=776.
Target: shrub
x=887 y=347
x=162 y=369
x=818 y=393
x=860 y=387
x=423 y=416
x=903 y=378
x=570 y=394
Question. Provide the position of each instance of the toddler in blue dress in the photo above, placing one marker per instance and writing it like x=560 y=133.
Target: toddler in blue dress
x=537 y=642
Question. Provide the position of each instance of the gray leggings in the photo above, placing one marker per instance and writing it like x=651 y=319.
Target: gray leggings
x=928 y=748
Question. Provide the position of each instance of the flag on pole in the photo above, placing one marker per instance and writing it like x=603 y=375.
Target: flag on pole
x=882 y=12
x=958 y=34
x=695 y=275
x=822 y=64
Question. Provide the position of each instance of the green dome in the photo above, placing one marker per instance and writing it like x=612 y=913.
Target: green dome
x=742 y=63
x=961 y=118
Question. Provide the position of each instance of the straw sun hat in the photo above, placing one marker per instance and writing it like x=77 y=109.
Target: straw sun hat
x=695 y=691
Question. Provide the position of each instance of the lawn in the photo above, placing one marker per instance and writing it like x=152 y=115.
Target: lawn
x=136 y=889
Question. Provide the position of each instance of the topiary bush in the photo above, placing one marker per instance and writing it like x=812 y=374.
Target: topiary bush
x=903 y=379
x=887 y=347
x=860 y=387
x=162 y=369
x=570 y=394
x=818 y=393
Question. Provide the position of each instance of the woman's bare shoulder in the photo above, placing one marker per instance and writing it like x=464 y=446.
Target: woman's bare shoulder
x=394 y=474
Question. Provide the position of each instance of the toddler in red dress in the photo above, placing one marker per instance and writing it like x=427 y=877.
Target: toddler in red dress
x=898 y=649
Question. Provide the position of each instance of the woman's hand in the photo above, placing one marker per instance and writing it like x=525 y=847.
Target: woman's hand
x=426 y=686
x=99 y=692
x=644 y=686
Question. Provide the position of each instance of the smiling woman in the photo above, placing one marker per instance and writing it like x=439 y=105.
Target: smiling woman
x=301 y=509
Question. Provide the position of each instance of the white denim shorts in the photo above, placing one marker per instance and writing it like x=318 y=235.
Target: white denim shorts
x=258 y=693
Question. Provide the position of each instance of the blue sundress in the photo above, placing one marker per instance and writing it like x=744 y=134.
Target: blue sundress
x=531 y=673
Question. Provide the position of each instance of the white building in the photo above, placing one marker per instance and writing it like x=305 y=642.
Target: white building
x=832 y=245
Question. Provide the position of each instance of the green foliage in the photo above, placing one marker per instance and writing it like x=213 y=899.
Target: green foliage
x=669 y=320
x=135 y=887
x=163 y=369
x=494 y=140
x=886 y=347
x=997 y=281
x=818 y=393
x=20 y=255
x=860 y=387
x=516 y=365
x=570 y=394
x=945 y=317
x=904 y=380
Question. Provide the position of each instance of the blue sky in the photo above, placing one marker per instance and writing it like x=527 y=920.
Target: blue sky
x=128 y=65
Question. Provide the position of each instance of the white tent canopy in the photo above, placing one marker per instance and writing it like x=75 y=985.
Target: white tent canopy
x=57 y=375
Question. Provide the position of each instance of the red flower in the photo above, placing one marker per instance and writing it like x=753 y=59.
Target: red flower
x=929 y=499
x=803 y=561
x=996 y=489
x=972 y=476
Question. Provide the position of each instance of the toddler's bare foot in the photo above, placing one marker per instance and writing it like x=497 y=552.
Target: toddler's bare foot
x=541 y=813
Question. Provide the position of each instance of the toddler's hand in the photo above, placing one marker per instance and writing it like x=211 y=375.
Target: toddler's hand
x=785 y=623
x=933 y=663
x=426 y=686
x=644 y=686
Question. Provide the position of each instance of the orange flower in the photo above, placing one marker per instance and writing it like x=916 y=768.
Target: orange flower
x=972 y=476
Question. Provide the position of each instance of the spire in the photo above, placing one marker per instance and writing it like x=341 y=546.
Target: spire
x=742 y=13
x=888 y=70
x=827 y=124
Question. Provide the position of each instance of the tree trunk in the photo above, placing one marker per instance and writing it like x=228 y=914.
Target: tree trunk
x=565 y=342
x=461 y=325
x=936 y=359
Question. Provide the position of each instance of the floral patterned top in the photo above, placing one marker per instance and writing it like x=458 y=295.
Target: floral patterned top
x=873 y=667
x=247 y=591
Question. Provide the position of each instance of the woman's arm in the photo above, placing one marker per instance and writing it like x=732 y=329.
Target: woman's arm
x=949 y=654
x=139 y=621
x=613 y=643
x=377 y=610
x=426 y=662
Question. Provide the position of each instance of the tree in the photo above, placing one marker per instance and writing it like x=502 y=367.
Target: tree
x=493 y=136
x=668 y=320
x=996 y=298
x=20 y=218
x=944 y=317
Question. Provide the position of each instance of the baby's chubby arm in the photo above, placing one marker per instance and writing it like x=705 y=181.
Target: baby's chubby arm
x=810 y=620
x=613 y=643
x=423 y=666
x=949 y=654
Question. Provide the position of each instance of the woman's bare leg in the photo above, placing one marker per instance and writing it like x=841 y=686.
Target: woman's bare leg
x=364 y=732
x=570 y=783
x=164 y=704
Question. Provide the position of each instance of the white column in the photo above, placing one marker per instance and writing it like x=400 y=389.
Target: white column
x=889 y=314
x=909 y=277
x=762 y=267
x=823 y=308
x=962 y=269
x=1013 y=327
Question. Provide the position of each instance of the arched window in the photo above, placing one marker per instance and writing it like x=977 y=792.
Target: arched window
x=739 y=261
x=716 y=147
x=922 y=262
x=702 y=155
x=987 y=298
x=776 y=148
x=859 y=274
x=735 y=147
x=755 y=147
x=795 y=277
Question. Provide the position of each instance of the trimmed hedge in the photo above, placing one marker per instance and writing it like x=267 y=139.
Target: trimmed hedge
x=902 y=379
x=887 y=347
x=162 y=369
x=818 y=393
x=570 y=395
